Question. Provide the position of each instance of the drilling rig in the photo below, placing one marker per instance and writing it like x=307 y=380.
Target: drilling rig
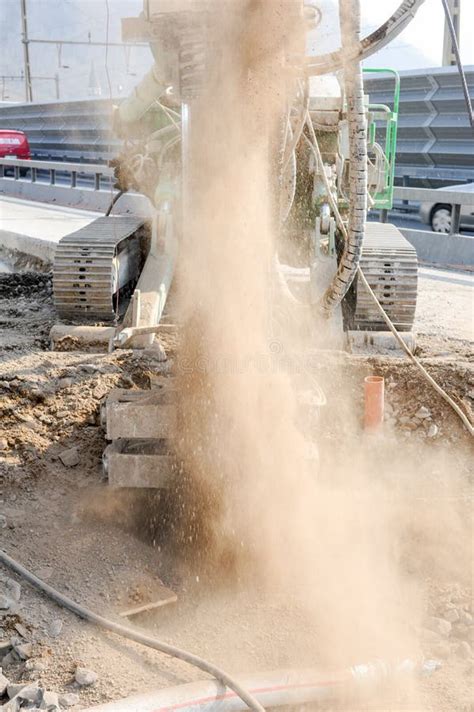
x=331 y=166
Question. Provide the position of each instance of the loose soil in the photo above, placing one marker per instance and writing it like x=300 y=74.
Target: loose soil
x=101 y=547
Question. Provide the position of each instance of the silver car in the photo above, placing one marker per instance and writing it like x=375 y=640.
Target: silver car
x=438 y=215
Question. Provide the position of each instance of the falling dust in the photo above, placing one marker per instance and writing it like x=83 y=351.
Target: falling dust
x=261 y=510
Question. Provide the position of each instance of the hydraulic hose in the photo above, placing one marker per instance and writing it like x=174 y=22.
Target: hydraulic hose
x=130 y=634
x=116 y=197
x=277 y=688
x=387 y=32
x=350 y=16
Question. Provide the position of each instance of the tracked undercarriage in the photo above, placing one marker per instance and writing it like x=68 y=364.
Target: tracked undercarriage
x=95 y=266
x=390 y=265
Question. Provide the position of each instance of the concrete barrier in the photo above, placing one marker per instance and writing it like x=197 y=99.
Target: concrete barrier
x=16 y=247
x=439 y=249
x=81 y=198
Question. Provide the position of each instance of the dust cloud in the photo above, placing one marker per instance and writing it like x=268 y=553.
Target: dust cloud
x=266 y=513
x=262 y=511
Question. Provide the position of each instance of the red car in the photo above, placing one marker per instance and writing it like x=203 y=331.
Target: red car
x=14 y=144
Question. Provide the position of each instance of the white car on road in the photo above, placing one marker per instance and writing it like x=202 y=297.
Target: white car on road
x=438 y=215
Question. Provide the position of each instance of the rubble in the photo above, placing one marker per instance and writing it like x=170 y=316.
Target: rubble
x=70 y=458
x=47 y=501
x=49 y=701
x=4 y=682
x=422 y=413
x=26 y=690
x=84 y=677
x=69 y=699
x=24 y=650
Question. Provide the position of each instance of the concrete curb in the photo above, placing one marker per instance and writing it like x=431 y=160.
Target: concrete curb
x=442 y=250
x=40 y=249
x=81 y=198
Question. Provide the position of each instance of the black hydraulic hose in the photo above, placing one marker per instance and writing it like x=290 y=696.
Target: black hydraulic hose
x=395 y=24
x=350 y=16
x=457 y=54
x=130 y=634
x=113 y=201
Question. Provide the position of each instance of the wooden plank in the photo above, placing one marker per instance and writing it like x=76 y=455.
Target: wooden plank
x=145 y=607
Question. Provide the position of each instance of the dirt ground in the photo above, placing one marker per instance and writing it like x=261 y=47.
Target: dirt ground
x=98 y=546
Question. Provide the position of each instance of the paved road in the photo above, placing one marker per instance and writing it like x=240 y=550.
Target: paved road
x=48 y=222
x=445 y=303
x=410 y=221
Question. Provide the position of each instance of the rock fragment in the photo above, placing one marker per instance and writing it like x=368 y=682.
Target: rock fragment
x=24 y=651
x=433 y=430
x=5 y=602
x=3 y=444
x=70 y=457
x=4 y=682
x=422 y=413
x=5 y=647
x=9 y=659
x=29 y=691
x=35 y=665
x=85 y=678
x=69 y=699
x=49 y=701
x=11 y=588
x=65 y=382
x=55 y=627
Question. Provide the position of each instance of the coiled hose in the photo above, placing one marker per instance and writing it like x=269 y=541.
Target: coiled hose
x=130 y=634
x=350 y=16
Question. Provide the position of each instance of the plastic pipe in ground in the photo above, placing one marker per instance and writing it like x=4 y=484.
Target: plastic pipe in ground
x=272 y=689
x=374 y=389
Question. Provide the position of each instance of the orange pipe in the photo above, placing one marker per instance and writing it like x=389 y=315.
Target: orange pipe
x=374 y=402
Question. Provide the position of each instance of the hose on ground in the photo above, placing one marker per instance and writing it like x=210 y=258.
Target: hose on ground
x=350 y=18
x=384 y=34
x=130 y=634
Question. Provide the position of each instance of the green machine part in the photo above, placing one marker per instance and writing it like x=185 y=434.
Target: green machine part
x=382 y=116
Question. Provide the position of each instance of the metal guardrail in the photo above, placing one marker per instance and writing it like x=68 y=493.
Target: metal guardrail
x=65 y=130
x=88 y=186
x=54 y=168
x=435 y=139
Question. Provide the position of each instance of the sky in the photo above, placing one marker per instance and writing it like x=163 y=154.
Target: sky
x=426 y=30
x=420 y=45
